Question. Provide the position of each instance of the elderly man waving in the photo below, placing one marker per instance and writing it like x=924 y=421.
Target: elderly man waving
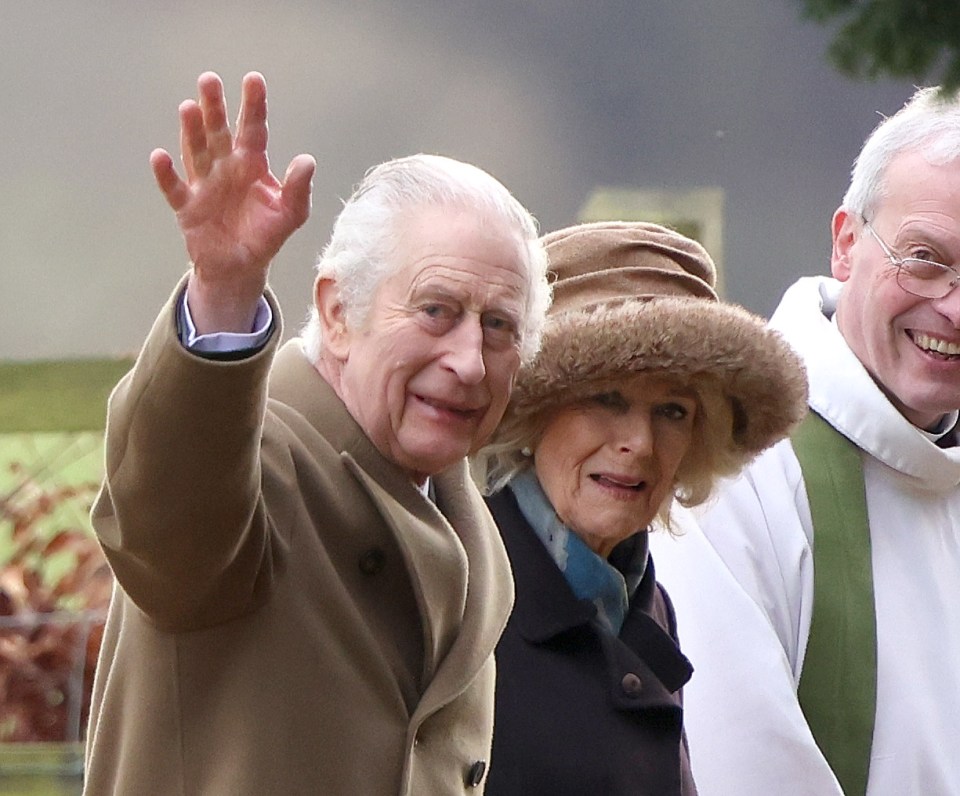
x=309 y=587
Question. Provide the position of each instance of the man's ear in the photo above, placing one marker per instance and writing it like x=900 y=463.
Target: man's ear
x=332 y=315
x=845 y=230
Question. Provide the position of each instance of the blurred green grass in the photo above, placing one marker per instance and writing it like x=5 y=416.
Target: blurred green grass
x=57 y=395
x=52 y=414
x=52 y=476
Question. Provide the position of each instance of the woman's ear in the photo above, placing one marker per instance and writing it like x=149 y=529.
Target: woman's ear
x=332 y=316
x=845 y=230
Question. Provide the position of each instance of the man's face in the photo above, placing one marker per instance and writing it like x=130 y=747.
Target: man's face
x=910 y=345
x=428 y=375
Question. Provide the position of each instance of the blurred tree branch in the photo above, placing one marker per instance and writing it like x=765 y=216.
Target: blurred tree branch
x=913 y=39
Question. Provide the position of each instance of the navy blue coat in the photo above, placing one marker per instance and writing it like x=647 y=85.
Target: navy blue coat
x=578 y=710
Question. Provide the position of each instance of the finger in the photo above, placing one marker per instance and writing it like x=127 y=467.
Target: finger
x=297 y=188
x=193 y=140
x=252 y=119
x=214 y=108
x=174 y=190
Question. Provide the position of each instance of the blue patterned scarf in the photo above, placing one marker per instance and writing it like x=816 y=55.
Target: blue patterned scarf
x=589 y=576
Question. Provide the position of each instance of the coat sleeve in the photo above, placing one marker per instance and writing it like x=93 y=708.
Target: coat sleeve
x=180 y=514
x=738 y=587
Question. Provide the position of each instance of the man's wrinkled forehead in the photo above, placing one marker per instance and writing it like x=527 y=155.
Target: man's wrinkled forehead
x=435 y=243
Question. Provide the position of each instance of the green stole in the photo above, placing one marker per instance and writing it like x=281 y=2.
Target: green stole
x=838 y=684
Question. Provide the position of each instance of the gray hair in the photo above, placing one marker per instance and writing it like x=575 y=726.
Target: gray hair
x=365 y=235
x=929 y=123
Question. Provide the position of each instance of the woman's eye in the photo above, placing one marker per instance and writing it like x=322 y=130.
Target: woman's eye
x=673 y=411
x=609 y=400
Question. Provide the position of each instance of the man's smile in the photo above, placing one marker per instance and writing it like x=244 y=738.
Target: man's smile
x=934 y=345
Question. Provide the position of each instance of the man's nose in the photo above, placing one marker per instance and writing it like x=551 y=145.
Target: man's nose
x=465 y=354
x=949 y=306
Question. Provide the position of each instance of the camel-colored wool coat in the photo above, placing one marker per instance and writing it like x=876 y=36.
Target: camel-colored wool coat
x=292 y=615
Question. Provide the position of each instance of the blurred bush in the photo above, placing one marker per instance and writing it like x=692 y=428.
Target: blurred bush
x=54 y=585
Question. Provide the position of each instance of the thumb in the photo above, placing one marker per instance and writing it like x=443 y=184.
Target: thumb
x=297 y=188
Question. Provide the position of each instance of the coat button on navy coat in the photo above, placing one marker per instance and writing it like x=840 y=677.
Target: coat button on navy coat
x=372 y=561
x=631 y=684
x=475 y=774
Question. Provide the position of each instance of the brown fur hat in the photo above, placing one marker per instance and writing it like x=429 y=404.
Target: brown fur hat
x=640 y=297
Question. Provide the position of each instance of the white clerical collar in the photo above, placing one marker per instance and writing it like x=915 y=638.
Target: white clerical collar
x=947 y=422
x=944 y=427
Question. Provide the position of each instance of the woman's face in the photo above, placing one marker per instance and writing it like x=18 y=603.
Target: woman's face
x=609 y=462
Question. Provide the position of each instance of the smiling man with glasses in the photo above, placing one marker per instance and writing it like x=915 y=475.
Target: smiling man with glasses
x=844 y=543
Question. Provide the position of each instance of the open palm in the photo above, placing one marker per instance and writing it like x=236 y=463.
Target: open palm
x=234 y=214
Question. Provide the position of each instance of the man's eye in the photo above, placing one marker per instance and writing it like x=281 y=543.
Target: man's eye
x=498 y=329
x=437 y=318
x=923 y=253
x=437 y=311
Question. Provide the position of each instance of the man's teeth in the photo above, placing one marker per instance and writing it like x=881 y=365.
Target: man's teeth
x=929 y=343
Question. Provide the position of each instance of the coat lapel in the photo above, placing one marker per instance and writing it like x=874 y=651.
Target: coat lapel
x=489 y=597
x=546 y=609
x=643 y=633
x=436 y=562
x=455 y=559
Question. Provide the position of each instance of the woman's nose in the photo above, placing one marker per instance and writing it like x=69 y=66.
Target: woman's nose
x=634 y=434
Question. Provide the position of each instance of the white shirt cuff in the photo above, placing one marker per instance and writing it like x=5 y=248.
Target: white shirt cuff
x=219 y=342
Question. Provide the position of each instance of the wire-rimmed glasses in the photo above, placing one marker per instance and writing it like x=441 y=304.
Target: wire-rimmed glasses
x=923 y=278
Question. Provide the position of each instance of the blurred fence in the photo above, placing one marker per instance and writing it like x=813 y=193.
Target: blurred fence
x=54 y=582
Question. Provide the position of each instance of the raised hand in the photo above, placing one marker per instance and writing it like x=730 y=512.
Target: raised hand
x=233 y=212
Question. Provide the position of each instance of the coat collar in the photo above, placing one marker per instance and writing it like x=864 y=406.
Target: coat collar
x=546 y=608
x=446 y=546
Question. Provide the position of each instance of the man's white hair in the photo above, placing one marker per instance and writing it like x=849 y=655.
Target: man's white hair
x=928 y=123
x=364 y=240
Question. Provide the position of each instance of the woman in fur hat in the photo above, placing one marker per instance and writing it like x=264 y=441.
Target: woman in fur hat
x=647 y=389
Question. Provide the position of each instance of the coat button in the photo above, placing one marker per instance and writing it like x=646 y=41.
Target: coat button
x=631 y=684
x=475 y=774
x=372 y=561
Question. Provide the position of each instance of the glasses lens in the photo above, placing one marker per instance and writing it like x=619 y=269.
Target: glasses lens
x=924 y=278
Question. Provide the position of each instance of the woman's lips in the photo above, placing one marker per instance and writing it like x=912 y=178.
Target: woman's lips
x=618 y=481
